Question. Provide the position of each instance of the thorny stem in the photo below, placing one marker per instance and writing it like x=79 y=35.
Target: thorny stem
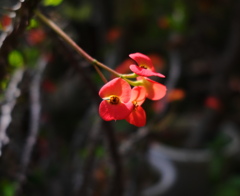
x=64 y=36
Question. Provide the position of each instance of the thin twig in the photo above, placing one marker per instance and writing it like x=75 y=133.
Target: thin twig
x=100 y=74
x=68 y=40
x=23 y=16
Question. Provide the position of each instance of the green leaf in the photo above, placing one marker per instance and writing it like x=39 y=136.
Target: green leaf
x=230 y=187
x=31 y=54
x=52 y=2
x=3 y=84
x=7 y=188
x=83 y=153
x=100 y=152
x=79 y=13
x=32 y=24
x=178 y=18
x=15 y=59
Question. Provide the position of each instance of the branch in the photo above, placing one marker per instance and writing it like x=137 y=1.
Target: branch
x=70 y=42
x=11 y=95
x=23 y=16
x=35 y=108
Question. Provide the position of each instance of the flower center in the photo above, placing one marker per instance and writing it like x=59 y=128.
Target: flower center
x=114 y=100
x=135 y=105
x=143 y=66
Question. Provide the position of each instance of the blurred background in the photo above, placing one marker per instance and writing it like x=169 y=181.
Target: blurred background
x=52 y=139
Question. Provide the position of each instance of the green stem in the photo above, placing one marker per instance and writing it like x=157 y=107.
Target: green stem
x=66 y=38
x=133 y=83
x=132 y=75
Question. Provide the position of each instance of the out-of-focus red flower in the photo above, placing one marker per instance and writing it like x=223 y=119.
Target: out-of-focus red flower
x=5 y=21
x=144 y=65
x=138 y=116
x=113 y=34
x=48 y=86
x=116 y=96
x=234 y=83
x=35 y=36
x=171 y=96
x=205 y=5
x=154 y=90
x=175 y=95
x=158 y=106
x=43 y=147
x=157 y=61
x=163 y=22
x=123 y=68
x=213 y=103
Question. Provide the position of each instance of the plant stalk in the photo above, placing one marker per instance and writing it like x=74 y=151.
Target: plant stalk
x=73 y=44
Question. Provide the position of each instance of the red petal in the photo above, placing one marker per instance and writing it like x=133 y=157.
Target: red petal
x=138 y=94
x=142 y=59
x=110 y=111
x=154 y=89
x=144 y=72
x=137 y=117
x=118 y=87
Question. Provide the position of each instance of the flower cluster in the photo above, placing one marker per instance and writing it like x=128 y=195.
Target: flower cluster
x=120 y=101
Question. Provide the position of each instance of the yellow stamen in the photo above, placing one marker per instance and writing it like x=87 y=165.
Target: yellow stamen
x=143 y=66
x=114 y=100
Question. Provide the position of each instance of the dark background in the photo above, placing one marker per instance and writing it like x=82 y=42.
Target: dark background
x=52 y=139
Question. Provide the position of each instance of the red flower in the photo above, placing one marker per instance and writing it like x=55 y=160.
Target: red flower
x=138 y=116
x=144 y=65
x=154 y=90
x=113 y=34
x=36 y=36
x=213 y=103
x=116 y=96
x=48 y=86
x=5 y=22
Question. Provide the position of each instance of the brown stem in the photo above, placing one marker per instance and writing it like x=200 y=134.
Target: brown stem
x=80 y=51
x=100 y=74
